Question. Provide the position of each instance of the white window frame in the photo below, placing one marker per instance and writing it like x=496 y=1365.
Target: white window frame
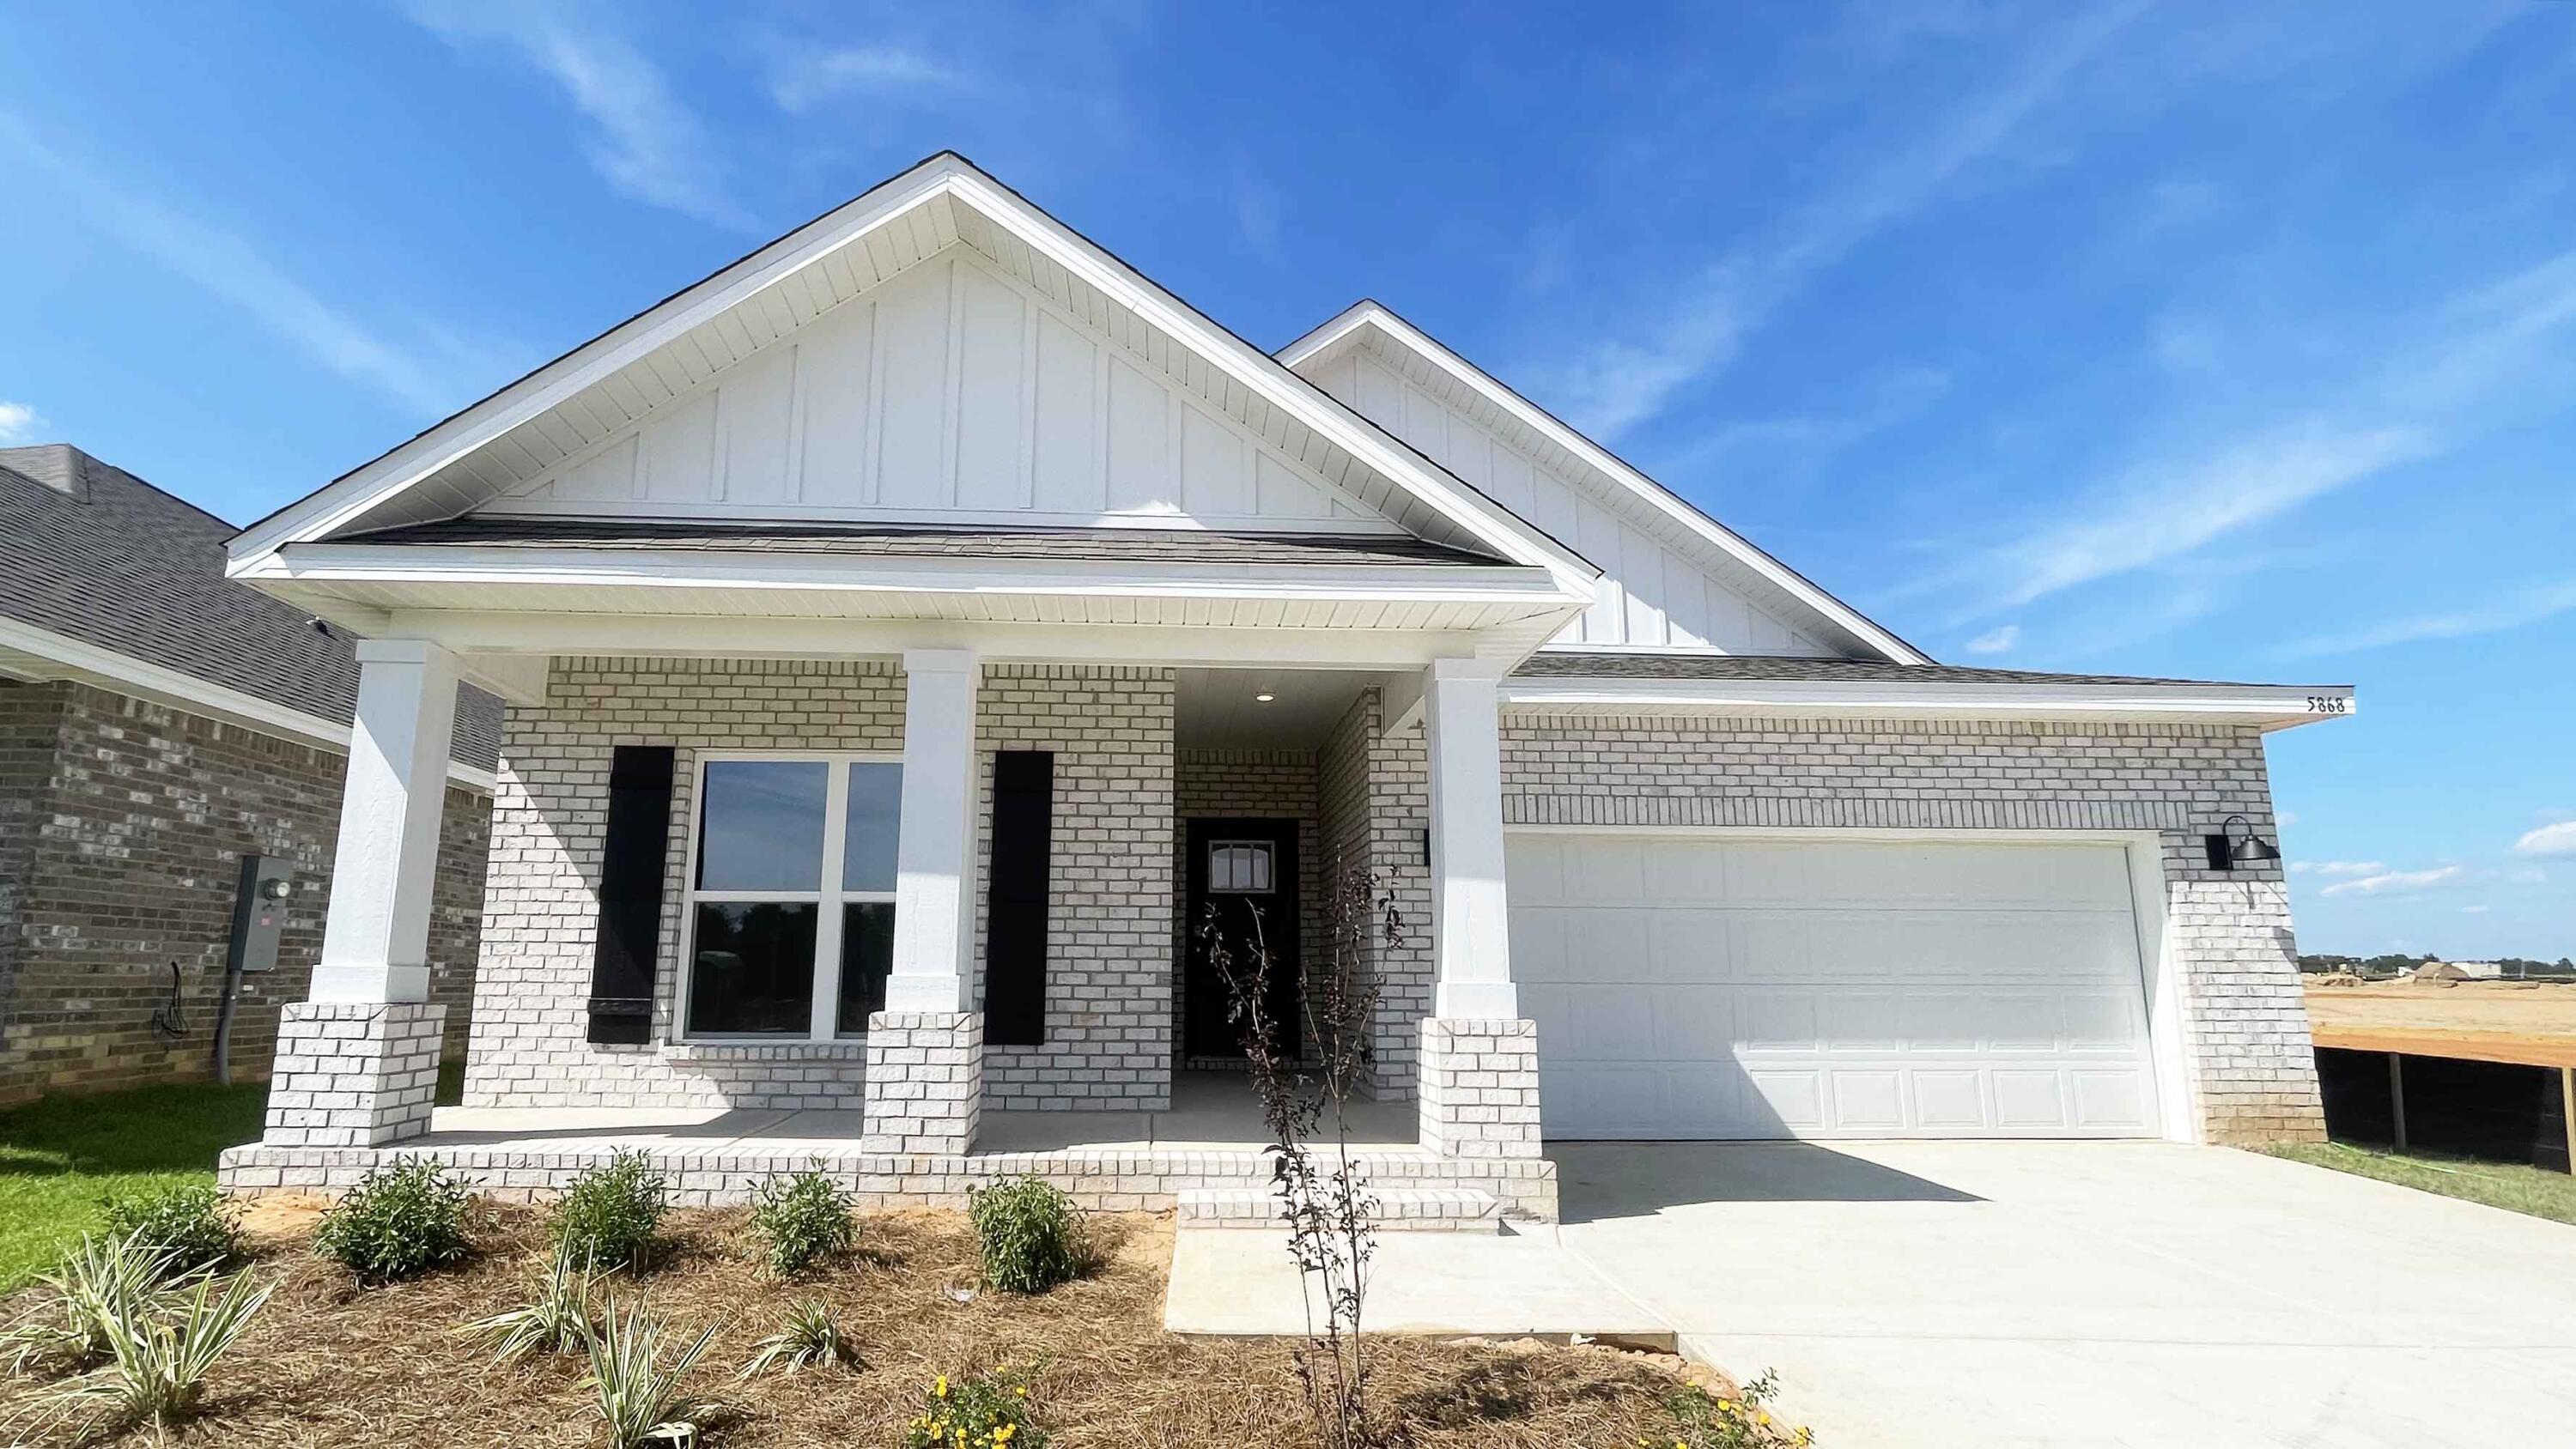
x=823 y=1021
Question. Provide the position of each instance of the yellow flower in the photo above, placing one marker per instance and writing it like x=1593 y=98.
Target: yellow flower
x=1003 y=1434
x=1022 y=1391
x=940 y=1388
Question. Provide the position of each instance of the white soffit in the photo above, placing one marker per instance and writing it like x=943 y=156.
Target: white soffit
x=604 y=387
x=2265 y=706
x=1425 y=362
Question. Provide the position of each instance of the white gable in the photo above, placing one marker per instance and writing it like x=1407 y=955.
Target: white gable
x=1652 y=595
x=950 y=393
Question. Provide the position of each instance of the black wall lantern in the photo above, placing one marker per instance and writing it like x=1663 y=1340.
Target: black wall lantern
x=2236 y=844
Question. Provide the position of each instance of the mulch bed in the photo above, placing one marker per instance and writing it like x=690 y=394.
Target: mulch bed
x=329 y=1364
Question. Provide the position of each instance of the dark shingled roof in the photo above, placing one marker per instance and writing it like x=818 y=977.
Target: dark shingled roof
x=1090 y=545
x=94 y=553
x=1569 y=665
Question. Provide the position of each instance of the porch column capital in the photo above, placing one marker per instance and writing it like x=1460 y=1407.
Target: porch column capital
x=934 y=849
x=1470 y=927
x=375 y=938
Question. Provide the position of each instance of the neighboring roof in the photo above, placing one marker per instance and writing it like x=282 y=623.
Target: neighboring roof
x=92 y=554
x=916 y=214
x=1114 y=545
x=1568 y=664
x=1553 y=437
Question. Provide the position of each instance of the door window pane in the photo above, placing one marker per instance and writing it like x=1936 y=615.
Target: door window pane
x=867 y=955
x=875 y=817
x=763 y=825
x=1239 y=866
x=753 y=969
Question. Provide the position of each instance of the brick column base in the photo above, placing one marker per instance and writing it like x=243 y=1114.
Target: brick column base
x=353 y=1074
x=1479 y=1087
x=925 y=1083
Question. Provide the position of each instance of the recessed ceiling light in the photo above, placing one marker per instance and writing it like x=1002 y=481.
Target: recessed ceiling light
x=1264 y=698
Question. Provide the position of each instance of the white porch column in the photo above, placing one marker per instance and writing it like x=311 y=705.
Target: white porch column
x=375 y=940
x=925 y=1059
x=357 y=1063
x=934 y=919
x=1470 y=931
x=1478 y=1064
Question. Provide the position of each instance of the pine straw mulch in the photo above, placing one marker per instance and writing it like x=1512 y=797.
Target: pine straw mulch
x=329 y=1364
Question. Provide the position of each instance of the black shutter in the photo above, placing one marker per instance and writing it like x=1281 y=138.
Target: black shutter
x=630 y=895
x=1015 y=931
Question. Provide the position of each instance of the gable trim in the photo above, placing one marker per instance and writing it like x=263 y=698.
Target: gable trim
x=1368 y=312
x=343 y=500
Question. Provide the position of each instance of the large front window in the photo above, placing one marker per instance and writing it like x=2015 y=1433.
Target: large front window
x=791 y=894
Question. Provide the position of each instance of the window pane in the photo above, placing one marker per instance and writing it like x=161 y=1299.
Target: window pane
x=867 y=954
x=1239 y=866
x=753 y=968
x=763 y=825
x=875 y=816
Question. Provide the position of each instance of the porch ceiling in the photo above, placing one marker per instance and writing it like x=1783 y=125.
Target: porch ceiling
x=1223 y=709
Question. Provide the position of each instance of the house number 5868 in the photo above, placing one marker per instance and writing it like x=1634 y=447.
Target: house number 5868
x=2328 y=704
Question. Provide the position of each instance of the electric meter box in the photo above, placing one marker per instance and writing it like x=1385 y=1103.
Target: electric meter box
x=259 y=912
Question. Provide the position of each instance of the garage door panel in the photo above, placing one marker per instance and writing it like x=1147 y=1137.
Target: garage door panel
x=1732 y=987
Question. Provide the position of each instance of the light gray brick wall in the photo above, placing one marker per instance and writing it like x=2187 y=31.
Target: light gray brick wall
x=1479 y=1087
x=352 y=1074
x=1110 y=914
x=925 y=1082
x=1110 y=895
x=2245 y=1022
x=1375 y=800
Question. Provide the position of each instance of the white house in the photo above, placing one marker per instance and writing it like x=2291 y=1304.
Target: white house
x=907 y=629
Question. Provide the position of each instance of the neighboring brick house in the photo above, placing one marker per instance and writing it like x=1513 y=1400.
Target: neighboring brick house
x=157 y=722
x=913 y=630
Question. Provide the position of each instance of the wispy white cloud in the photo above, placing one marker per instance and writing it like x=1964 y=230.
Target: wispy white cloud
x=2510 y=610
x=236 y=272
x=2528 y=876
x=2473 y=910
x=2336 y=867
x=1995 y=641
x=1621 y=382
x=2558 y=839
x=806 y=77
x=643 y=140
x=18 y=422
x=2396 y=882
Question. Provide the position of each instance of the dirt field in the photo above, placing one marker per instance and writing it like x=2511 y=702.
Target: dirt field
x=2516 y=1021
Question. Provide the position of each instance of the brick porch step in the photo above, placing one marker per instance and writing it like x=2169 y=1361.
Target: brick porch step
x=1400 y=1209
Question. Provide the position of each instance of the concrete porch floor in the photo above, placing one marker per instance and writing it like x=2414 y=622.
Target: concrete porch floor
x=1210 y=1112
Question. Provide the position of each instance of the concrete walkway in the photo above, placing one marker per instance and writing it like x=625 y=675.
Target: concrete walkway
x=2088 y=1295
x=1240 y=1282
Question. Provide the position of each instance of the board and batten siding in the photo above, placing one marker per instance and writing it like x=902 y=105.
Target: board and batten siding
x=951 y=393
x=1650 y=596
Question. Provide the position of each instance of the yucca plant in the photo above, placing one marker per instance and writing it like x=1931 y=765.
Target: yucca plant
x=105 y=1282
x=808 y=1338
x=638 y=1394
x=555 y=1319
x=159 y=1358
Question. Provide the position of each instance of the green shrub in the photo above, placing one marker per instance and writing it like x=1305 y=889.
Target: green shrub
x=989 y=1412
x=195 y=1224
x=1030 y=1235
x=610 y=1213
x=397 y=1222
x=1710 y=1421
x=801 y=1220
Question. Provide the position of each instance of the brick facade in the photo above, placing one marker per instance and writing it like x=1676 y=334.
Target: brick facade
x=1479 y=1087
x=1376 y=803
x=2244 y=1020
x=122 y=827
x=353 y=1074
x=1110 y=913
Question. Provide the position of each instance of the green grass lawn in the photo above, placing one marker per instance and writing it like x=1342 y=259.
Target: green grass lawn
x=2533 y=1190
x=58 y=1157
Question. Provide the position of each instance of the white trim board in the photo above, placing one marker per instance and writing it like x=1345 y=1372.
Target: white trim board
x=85 y=663
x=2268 y=707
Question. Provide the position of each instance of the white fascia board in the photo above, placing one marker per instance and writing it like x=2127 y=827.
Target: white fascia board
x=2268 y=706
x=313 y=563
x=1672 y=505
x=87 y=663
x=315 y=516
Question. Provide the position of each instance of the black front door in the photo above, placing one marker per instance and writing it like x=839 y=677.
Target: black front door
x=1240 y=868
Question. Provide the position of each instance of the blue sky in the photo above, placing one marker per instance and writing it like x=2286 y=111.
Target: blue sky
x=2223 y=341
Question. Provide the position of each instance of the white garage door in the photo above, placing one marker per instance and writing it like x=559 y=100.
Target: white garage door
x=1733 y=987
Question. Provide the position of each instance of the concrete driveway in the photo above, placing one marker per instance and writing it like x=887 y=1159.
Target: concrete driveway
x=2080 y=1294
